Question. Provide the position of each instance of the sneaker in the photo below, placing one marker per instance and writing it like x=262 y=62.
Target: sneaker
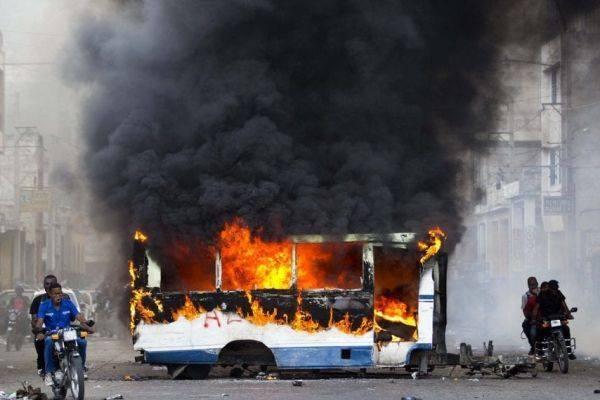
x=85 y=372
x=41 y=372
x=58 y=375
x=48 y=381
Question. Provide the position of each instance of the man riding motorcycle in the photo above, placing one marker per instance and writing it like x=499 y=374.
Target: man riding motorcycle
x=19 y=302
x=33 y=310
x=16 y=319
x=551 y=302
x=58 y=313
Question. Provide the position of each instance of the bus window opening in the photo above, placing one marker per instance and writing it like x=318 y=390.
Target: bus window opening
x=329 y=265
x=187 y=267
x=396 y=294
x=250 y=263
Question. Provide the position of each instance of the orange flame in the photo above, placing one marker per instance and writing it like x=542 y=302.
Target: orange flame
x=393 y=310
x=302 y=320
x=249 y=263
x=139 y=236
x=136 y=302
x=434 y=244
x=132 y=274
x=189 y=311
x=137 y=308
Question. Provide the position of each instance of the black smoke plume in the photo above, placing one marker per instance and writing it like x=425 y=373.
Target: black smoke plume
x=297 y=116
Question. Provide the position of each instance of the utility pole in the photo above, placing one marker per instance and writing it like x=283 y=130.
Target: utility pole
x=36 y=271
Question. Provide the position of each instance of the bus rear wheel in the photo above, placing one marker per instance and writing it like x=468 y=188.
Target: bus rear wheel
x=189 y=371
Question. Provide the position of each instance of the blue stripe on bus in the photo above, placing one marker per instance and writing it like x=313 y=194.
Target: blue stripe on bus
x=425 y=297
x=323 y=357
x=286 y=357
x=182 y=356
x=417 y=347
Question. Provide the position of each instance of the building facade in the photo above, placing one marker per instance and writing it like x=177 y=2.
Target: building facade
x=536 y=192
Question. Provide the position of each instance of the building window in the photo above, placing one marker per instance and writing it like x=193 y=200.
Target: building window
x=554 y=167
x=554 y=85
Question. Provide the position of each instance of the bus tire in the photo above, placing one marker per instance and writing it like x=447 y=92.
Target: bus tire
x=190 y=371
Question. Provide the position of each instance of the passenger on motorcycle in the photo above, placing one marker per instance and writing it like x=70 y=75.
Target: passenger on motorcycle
x=528 y=303
x=551 y=302
x=58 y=313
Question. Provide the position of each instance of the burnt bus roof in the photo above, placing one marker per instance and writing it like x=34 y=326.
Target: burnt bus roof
x=392 y=238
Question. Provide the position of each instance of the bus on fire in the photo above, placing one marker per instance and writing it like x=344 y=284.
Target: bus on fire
x=309 y=302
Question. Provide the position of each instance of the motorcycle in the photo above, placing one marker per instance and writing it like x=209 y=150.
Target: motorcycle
x=66 y=351
x=552 y=347
x=15 y=330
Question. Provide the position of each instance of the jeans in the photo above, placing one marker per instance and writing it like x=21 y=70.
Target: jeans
x=39 y=349
x=49 y=353
x=530 y=331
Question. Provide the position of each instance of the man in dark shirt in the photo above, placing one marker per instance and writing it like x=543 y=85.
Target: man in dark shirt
x=548 y=302
x=551 y=302
x=39 y=337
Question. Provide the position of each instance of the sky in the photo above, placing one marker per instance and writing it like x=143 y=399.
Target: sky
x=35 y=32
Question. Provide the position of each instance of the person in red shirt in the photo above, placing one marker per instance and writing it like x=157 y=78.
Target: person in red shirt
x=528 y=303
x=19 y=302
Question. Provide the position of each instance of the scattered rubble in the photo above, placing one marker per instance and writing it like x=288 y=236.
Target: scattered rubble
x=114 y=397
x=27 y=392
x=297 y=383
x=262 y=376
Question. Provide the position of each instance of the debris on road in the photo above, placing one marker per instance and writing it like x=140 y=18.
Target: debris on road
x=597 y=391
x=132 y=378
x=409 y=398
x=114 y=397
x=10 y=367
x=297 y=383
x=262 y=376
x=27 y=392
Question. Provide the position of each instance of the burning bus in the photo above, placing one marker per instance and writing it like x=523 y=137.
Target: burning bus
x=308 y=302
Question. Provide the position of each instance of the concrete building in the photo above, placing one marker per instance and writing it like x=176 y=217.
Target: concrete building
x=22 y=204
x=536 y=192
x=2 y=94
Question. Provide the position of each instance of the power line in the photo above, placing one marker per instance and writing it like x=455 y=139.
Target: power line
x=33 y=33
x=19 y=64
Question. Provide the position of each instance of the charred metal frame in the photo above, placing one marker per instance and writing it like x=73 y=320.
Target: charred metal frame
x=358 y=303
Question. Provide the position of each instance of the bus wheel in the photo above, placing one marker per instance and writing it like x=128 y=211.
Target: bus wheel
x=190 y=371
x=236 y=372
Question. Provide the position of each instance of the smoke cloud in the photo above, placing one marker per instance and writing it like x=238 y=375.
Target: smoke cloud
x=297 y=116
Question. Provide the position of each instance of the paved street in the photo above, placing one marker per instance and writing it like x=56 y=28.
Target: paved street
x=113 y=372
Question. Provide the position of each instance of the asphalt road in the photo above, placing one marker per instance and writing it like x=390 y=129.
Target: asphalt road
x=112 y=371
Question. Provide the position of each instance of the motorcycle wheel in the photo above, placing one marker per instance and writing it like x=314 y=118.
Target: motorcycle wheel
x=548 y=366
x=561 y=354
x=76 y=379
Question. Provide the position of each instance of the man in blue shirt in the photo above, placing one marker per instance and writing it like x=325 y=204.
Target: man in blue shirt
x=57 y=313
